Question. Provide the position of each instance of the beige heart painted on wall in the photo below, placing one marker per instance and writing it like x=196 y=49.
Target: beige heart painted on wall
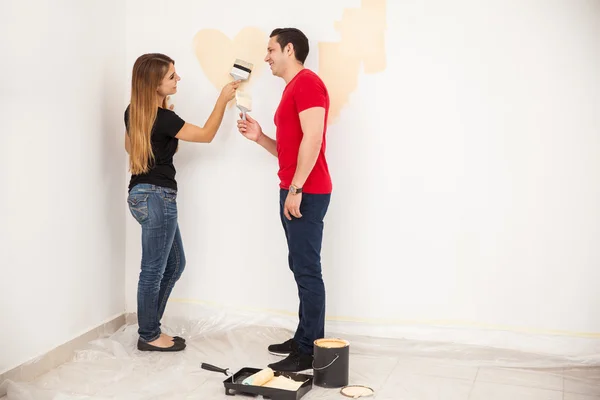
x=216 y=54
x=362 y=43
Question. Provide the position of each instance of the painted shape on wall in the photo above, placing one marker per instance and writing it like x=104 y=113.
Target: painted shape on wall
x=362 y=42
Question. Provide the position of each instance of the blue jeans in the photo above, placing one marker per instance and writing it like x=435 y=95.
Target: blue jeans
x=163 y=259
x=304 y=237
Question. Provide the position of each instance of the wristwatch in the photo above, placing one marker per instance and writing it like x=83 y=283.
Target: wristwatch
x=295 y=190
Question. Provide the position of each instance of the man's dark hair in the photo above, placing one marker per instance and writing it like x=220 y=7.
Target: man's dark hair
x=296 y=38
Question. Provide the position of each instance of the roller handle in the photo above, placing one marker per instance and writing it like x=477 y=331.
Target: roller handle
x=213 y=368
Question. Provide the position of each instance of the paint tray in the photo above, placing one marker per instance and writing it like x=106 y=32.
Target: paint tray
x=234 y=386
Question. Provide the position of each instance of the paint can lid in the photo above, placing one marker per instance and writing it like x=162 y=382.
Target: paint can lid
x=331 y=343
x=356 y=391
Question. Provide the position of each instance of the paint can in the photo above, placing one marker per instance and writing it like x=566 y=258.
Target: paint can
x=331 y=365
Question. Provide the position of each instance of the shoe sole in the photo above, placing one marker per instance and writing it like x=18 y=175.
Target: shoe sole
x=279 y=354
x=305 y=371
x=172 y=349
x=177 y=346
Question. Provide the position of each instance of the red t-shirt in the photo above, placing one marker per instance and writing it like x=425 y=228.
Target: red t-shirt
x=304 y=91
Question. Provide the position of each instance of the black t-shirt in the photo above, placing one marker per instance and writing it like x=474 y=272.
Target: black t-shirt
x=164 y=145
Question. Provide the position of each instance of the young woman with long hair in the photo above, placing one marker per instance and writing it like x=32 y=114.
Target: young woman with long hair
x=152 y=136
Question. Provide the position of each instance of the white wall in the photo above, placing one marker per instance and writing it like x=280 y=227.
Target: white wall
x=466 y=175
x=62 y=234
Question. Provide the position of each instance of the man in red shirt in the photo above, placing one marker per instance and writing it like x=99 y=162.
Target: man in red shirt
x=305 y=185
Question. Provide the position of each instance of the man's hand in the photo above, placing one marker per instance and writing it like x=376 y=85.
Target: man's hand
x=250 y=128
x=292 y=206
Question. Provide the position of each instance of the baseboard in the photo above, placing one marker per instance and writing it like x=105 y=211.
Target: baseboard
x=572 y=347
x=30 y=370
x=567 y=348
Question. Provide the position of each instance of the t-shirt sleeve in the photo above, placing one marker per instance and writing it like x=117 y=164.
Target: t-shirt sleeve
x=172 y=123
x=310 y=92
x=126 y=119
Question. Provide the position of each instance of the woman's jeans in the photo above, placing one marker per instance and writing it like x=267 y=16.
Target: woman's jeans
x=163 y=260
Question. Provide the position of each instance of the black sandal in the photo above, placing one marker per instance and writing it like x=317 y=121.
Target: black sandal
x=177 y=346
x=178 y=339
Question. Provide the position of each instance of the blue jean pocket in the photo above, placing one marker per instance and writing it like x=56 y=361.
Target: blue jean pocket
x=170 y=196
x=138 y=206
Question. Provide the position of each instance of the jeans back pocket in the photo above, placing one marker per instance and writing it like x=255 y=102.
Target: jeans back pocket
x=138 y=206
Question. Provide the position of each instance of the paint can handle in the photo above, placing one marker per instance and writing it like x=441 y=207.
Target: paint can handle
x=328 y=365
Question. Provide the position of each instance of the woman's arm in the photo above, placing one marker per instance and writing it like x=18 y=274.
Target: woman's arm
x=205 y=134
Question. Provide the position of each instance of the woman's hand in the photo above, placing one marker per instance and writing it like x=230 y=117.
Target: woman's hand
x=228 y=91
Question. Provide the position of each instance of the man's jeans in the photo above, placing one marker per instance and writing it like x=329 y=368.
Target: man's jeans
x=304 y=237
x=163 y=260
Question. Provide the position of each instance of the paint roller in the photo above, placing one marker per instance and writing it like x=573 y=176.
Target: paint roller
x=260 y=378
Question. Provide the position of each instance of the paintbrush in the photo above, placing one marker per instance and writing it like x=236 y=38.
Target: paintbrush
x=241 y=70
x=243 y=102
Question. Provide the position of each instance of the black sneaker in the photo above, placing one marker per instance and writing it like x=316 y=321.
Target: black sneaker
x=295 y=362
x=283 y=349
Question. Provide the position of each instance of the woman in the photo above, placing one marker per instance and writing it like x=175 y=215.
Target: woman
x=152 y=136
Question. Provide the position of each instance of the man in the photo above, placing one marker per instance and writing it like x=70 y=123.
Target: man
x=305 y=185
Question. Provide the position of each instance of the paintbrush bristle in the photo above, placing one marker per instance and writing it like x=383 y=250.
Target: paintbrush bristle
x=243 y=63
x=241 y=70
x=243 y=100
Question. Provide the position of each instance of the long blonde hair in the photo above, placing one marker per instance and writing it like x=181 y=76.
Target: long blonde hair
x=148 y=73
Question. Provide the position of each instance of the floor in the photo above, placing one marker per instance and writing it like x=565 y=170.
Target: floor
x=111 y=368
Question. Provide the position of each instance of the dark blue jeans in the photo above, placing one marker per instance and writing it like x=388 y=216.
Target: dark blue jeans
x=163 y=259
x=304 y=238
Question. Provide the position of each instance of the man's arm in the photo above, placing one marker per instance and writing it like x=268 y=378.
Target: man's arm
x=252 y=131
x=312 y=122
x=269 y=144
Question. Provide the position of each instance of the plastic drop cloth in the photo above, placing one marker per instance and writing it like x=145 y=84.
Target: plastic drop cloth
x=112 y=368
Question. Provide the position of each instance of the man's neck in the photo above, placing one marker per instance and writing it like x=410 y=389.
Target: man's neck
x=292 y=72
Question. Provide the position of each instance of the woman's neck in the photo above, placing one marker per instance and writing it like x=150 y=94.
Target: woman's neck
x=160 y=100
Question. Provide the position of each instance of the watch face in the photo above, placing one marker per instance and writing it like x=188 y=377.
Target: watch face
x=292 y=190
